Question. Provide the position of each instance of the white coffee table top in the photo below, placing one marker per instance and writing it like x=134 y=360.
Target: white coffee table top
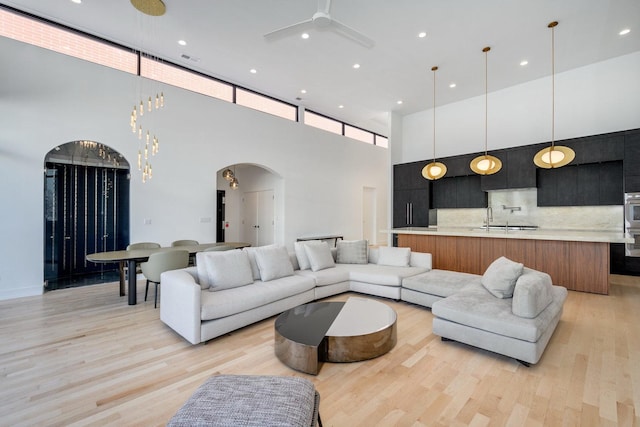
x=360 y=316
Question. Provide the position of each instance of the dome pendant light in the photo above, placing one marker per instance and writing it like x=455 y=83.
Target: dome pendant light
x=554 y=156
x=434 y=170
x=486 y=164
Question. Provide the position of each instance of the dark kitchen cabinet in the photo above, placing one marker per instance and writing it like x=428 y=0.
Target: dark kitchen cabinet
x=596 y=148
x=632 y=161
x=581 y=185
x=458 y=192
x=408 y=176
x=518 y=170
x=411 y=208
x=458 y=165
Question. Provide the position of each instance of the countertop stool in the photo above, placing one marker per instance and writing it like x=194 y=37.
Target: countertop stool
x=251 y=401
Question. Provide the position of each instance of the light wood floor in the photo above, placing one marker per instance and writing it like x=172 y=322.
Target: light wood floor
x=84 y=357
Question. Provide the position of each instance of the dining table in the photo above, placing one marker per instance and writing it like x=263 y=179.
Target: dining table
x=132 y=257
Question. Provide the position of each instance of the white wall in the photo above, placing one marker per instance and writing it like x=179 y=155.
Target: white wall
x=47 y=99
x=599 y=98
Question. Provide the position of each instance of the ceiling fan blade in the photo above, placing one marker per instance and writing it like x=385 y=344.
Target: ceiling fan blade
x=352 y=34
x=290 y=30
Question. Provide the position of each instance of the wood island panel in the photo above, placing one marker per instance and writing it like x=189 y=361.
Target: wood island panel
x=578 y=266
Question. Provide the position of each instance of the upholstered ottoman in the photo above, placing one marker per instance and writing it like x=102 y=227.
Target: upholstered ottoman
x=246 y=400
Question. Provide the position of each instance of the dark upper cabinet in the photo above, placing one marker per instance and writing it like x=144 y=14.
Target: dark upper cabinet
x=458 y=192
x=518 y=170
x=408 y=176
x=458 y=165
x=596 y=148
x=611 y=183
x=581 y=185
x=632 y=161
x=443 y=193
x=411 y=208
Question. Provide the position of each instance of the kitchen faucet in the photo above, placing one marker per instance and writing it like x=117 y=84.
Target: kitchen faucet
x=489 y=217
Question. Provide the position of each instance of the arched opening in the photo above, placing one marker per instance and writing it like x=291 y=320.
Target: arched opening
x=250 y=205
x=86 y=210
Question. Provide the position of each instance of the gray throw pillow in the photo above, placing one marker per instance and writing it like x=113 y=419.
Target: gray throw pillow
x=227 y=269
x=273 y=262
x=319 y=255
x=352 y=252
x=395 y=257
x=301 y=254
x=500 y=277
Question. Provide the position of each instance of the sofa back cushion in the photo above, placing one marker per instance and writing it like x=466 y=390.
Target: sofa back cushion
x=532 y=294
x=224 y=269
x=352 y=252
x=319 y=255
x=500 y=277
x=395 y=257
x=273 y=262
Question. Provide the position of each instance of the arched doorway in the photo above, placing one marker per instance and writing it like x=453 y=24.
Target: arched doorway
x=86 y=210
x=251 y=210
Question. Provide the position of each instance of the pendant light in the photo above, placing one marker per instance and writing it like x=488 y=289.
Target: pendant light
x=486 y=164
x=434 y=170
x=556 y=155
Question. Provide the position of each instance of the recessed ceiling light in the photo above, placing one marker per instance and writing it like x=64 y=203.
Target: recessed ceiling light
x=356 y=66
x=305 y=35
x=422 y=34
x=524 y=62
x=253 y=71
x=452 y=85
x=624 y=32
x=340 y=106
x=303 y=91
x=399 y=102
x=76 y=1
x=182 y=42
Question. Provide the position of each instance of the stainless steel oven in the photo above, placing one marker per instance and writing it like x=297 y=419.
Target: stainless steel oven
x=632 y=210
x=632 y=223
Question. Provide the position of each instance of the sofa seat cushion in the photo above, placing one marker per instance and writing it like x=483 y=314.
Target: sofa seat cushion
x=215 y=305
x=442 y=283
x=328 y=276
x=476 y=307
x=381 y=274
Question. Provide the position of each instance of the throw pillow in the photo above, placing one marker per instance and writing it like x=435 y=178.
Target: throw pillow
x=395 y=257
x=226 y=269
x=532 y=294
x=352 y=252
x=273 y=262
x=319 y=255
x=301 y=255
x=251 y=251
x=500 y=277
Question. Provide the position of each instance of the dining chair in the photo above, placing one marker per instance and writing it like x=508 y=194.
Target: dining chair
x=178 y=243
x=160 y=262
x=139 y=245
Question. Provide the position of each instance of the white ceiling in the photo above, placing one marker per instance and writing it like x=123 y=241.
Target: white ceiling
x=227 y=38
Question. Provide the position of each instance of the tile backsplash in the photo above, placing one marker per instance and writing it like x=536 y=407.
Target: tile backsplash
x=601 y=218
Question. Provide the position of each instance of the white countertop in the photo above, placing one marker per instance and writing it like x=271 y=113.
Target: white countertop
x=539 y=234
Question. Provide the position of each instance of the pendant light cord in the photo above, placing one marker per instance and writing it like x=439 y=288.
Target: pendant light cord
x=486 y=96
x=434 y=112
x=553 y=84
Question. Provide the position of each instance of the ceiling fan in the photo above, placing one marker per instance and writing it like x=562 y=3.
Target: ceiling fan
x=322 y=20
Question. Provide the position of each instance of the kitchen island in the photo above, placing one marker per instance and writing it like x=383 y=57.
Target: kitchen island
x=577 y=260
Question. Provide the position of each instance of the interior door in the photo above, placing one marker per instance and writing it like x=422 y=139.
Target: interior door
x=258 y=217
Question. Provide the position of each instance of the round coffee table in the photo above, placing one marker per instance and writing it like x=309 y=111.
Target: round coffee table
x=354 y=330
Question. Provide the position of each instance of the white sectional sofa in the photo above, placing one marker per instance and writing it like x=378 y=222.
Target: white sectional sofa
x=511 y=310
x=198 y=311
